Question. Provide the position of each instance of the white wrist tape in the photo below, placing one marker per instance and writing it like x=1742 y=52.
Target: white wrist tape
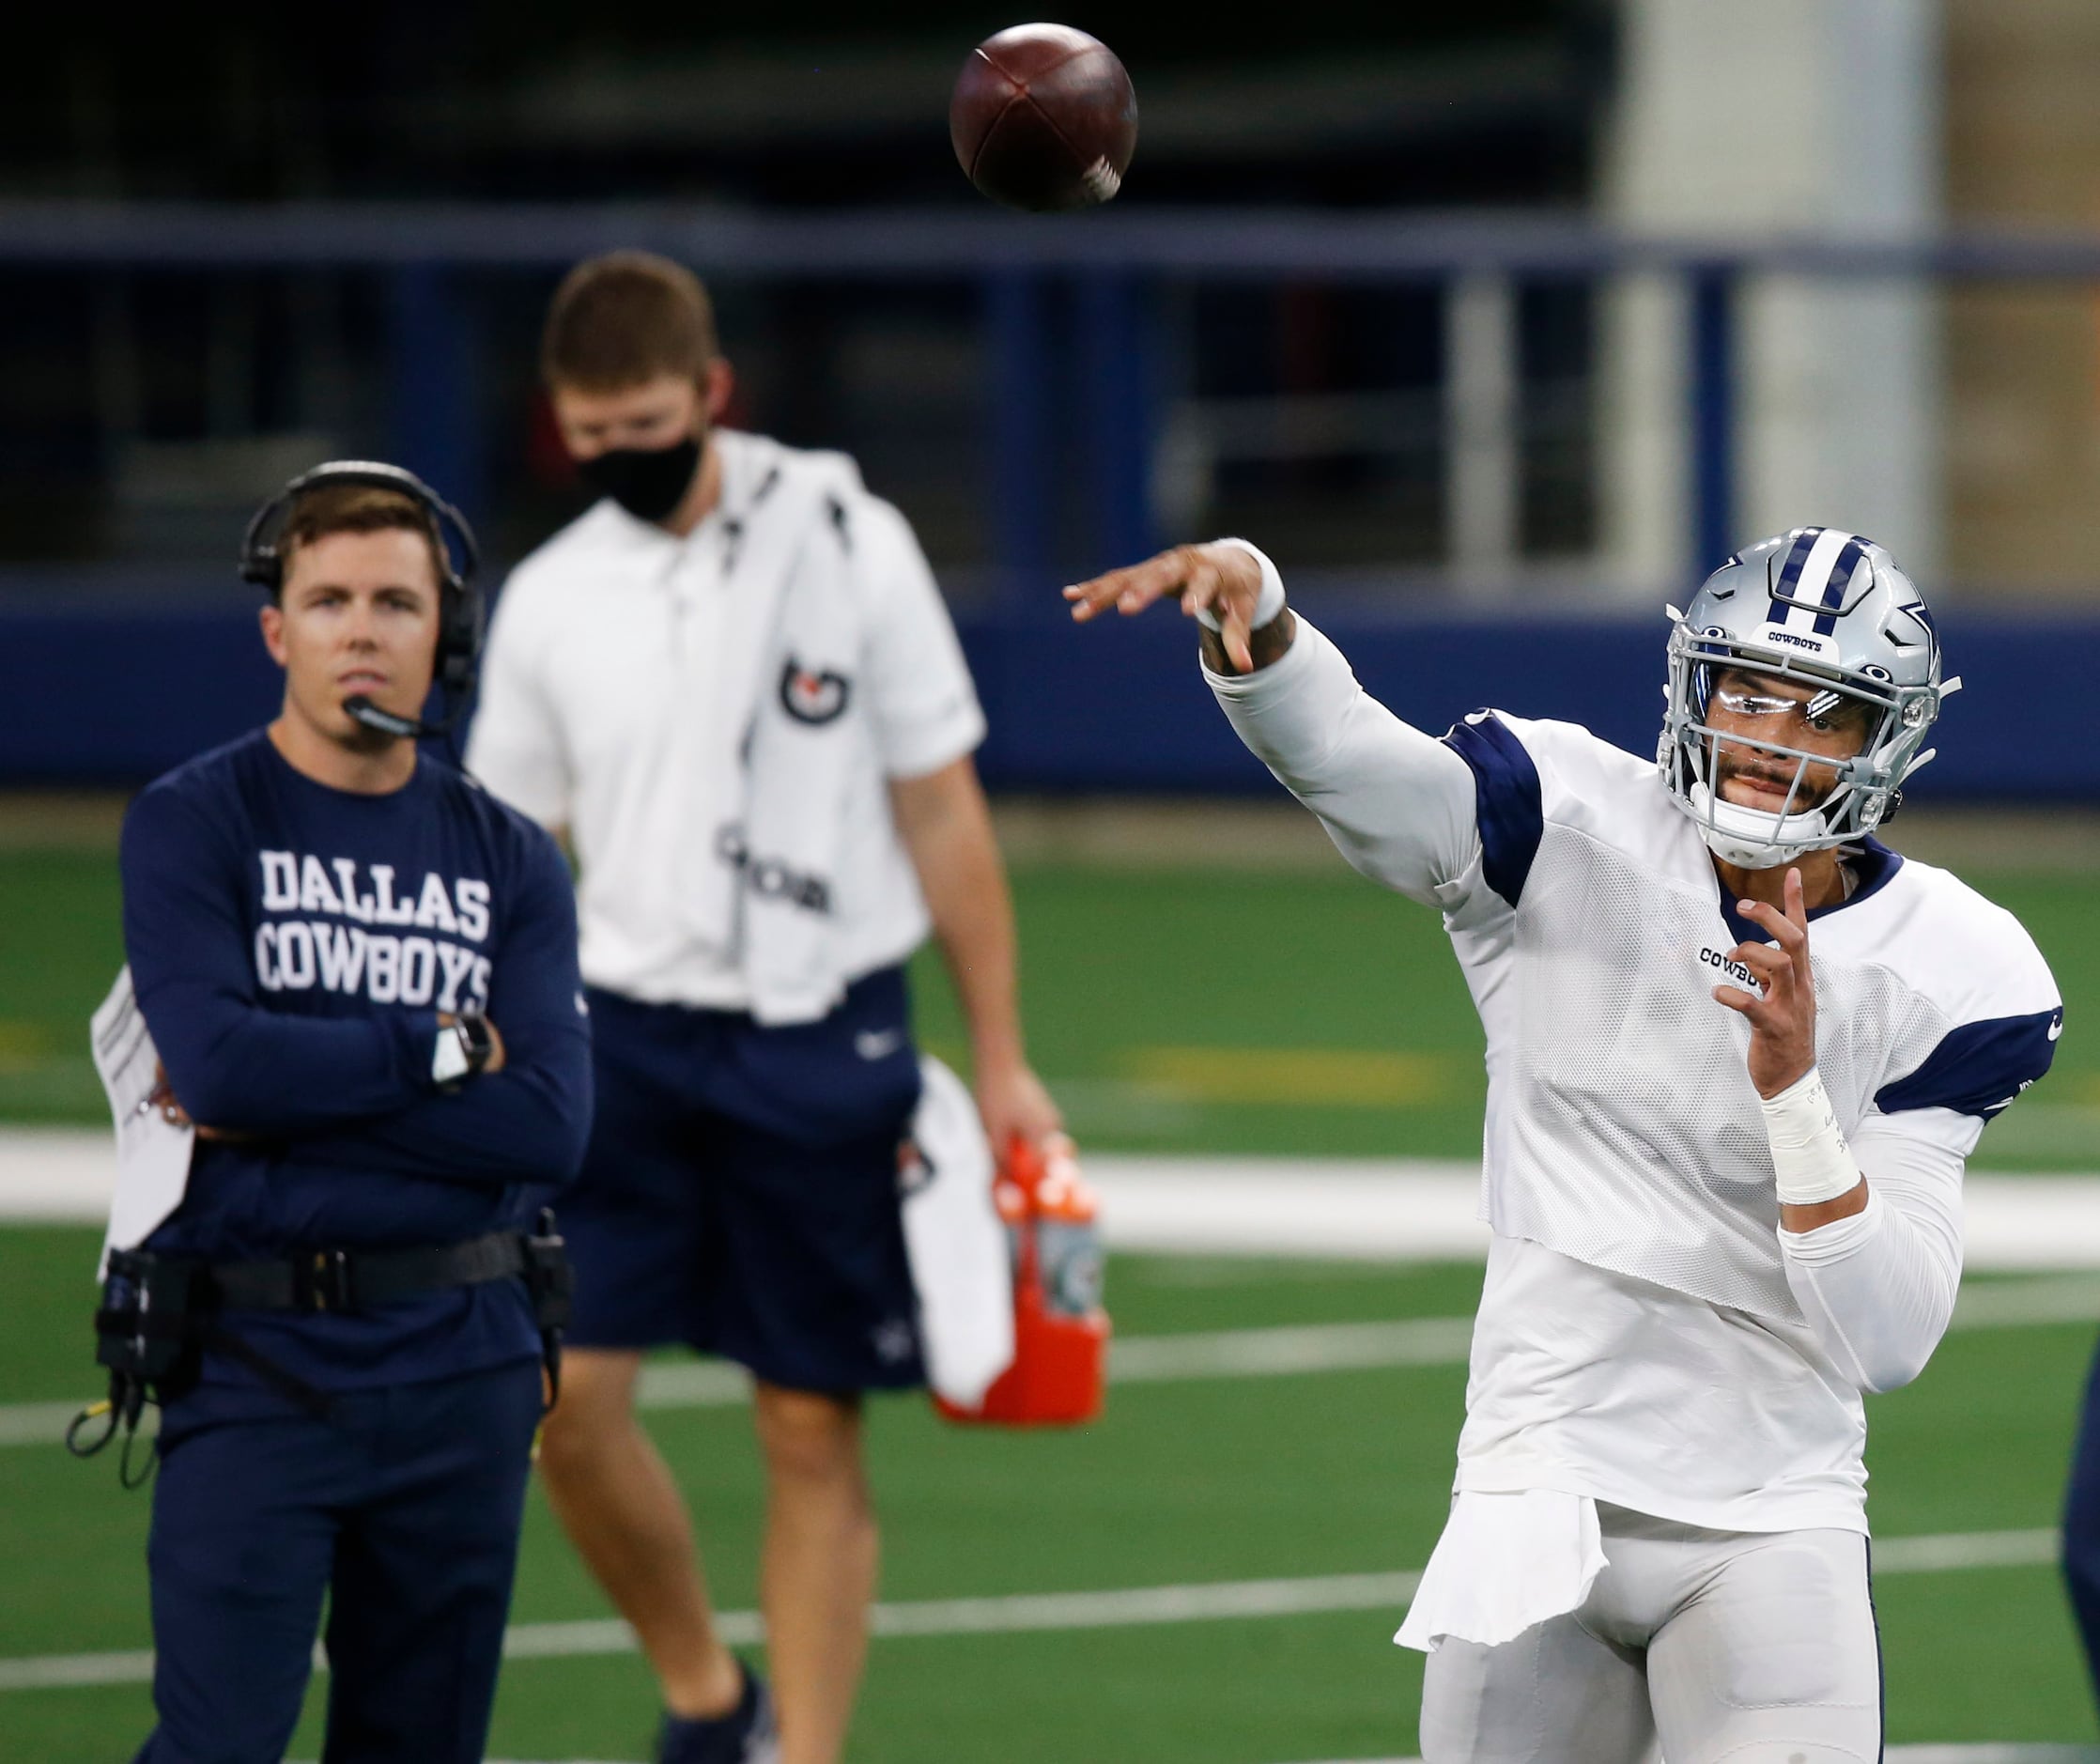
x=1809 y=1154
x=1271 y=600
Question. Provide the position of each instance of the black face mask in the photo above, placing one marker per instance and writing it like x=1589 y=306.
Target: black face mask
x=647 y=481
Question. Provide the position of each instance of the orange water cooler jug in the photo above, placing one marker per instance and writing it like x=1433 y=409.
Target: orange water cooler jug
x=1059 y=1374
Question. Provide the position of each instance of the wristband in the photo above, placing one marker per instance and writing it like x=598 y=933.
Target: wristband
x=1267 y=604
x=1810 y=1156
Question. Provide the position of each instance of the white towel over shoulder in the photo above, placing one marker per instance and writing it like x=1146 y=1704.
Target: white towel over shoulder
x=767 y=768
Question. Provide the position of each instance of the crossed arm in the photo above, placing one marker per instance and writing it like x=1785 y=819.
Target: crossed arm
x=353 y=1088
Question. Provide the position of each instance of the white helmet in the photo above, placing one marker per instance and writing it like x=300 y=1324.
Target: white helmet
x=1814 y=604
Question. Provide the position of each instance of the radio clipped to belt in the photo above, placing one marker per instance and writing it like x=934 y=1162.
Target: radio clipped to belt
x=1059 y=1372
x=148 y=1332
x=550 y=1278
x=159 y=1314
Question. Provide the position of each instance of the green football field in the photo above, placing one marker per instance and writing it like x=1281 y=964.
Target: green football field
x=1216 y=1527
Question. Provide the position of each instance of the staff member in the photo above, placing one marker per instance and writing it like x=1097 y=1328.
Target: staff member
x=359 y=970
x=734 y=683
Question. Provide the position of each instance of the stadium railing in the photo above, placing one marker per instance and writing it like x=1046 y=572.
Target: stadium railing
x=1077 y=731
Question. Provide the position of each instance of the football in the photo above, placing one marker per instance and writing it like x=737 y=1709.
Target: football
x=1044 y=118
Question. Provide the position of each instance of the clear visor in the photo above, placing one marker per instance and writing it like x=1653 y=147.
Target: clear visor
x=1777 y=741
x=1824 y=720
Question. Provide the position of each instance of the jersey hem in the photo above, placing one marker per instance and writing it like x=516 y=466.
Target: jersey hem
x=1755 y=1512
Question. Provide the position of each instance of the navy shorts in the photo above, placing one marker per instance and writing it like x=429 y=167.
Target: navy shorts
x=740 y=1191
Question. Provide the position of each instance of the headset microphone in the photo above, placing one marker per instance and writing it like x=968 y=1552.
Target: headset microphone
x=359 y=708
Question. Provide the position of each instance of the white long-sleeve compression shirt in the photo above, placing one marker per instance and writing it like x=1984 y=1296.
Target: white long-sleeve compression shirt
x=1400 y=805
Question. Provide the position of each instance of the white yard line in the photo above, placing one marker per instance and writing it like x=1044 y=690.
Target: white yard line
x=1137 y=1360
x=1994 y=1754
x=1895 y=1754
x=37 y=1423
x=2059 y=1298
x=1238 y=1352
x=1948 y=1550
x=1280 y=1353
x=1021 y=1614
x=1912 y=1754
x=1350 y=1208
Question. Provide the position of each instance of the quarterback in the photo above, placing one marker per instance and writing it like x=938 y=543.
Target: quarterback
x=1738 y=1052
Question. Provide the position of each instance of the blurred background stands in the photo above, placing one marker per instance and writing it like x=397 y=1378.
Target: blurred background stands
x=1545 y=307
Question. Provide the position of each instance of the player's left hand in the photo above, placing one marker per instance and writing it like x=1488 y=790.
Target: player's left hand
x=1782 y=1022
x=1011 y=1100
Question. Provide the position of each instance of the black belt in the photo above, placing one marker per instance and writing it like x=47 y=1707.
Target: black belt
x=160 y=1313
x=355 y=1279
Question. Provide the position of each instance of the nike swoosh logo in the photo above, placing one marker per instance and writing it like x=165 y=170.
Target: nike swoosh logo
x=2056 y=1029
x=877 y=1043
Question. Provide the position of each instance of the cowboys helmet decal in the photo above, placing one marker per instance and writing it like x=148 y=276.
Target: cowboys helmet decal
x=813 y=697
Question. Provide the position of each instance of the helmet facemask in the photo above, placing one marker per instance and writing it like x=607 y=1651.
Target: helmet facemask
x=1828 y=800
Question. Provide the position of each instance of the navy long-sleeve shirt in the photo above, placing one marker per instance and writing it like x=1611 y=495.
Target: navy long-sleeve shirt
x=291 y=945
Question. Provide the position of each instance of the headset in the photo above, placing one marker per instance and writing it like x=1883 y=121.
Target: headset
x=461 y=616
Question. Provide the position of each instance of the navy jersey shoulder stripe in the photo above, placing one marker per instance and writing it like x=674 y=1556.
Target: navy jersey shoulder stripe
x=1978 y=1068
x=1508 y=807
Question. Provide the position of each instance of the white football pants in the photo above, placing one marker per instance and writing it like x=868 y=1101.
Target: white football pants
x=1756 y=1648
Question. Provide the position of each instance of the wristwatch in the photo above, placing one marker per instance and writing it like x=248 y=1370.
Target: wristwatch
x=463 y=1049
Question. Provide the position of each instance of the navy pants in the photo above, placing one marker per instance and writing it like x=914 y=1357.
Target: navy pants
x=2081 y=1526
x=403 y=1507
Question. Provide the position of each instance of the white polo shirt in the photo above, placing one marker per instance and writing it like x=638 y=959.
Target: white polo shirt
x=597 y=638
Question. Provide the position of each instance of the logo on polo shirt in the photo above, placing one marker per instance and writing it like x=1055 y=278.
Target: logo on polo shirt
x=769 y=878
x=813 y=696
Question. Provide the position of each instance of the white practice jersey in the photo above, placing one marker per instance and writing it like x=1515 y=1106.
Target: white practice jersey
x=1648 y=1335
x=607 y=638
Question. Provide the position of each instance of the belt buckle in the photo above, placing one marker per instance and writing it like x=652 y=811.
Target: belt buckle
x=324 y=1281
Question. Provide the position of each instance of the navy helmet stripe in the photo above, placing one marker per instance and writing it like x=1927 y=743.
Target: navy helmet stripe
x=1508 y=804
x=1783 y=589
x=1833 y=589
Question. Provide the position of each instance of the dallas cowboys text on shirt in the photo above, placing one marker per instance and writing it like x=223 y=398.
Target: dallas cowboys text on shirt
x=330 y=947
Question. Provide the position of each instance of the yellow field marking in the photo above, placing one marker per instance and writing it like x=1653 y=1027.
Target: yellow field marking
x=23 y=1046
x=1332 y=1077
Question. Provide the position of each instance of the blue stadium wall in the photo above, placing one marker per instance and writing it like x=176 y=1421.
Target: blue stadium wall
x=114 y=692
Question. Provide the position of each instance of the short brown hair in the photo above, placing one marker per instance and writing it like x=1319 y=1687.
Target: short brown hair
x=624 y=320
x=355 y=508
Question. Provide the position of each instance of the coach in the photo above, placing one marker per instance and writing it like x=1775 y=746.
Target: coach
x=734 y=683
x=359 y=972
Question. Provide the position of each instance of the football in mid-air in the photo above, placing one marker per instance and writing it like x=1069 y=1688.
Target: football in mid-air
x=1043 y=118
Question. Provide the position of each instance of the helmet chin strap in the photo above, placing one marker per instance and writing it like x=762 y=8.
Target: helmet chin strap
x=1751 y=837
